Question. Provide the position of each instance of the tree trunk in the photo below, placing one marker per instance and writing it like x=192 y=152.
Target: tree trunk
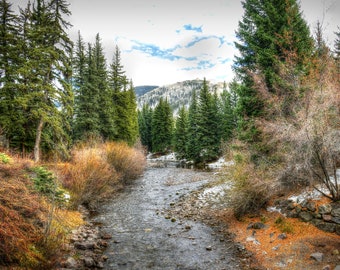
x=37 y=140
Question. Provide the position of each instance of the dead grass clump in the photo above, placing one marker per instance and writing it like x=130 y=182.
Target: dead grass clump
x=128 y=162
x=21 y=220
x=252 y=187
x=88 y=177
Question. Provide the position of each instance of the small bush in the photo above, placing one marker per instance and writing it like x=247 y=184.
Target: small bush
x=283 y=225
x=88 y=177
x=46 y=184
x=128 y=162
x=250 y=188
x=5 y=159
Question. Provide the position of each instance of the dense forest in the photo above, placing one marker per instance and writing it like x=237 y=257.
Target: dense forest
x=53 y=92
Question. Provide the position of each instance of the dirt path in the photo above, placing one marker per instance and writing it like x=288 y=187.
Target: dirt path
x=144 y=236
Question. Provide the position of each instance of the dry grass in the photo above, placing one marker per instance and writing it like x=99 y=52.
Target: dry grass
x=96 y=171
x=294 y=251
x=88 y=176
x=252 y=186
x=128 y=162
x=31 y=233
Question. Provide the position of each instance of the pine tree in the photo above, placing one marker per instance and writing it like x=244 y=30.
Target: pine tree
x=46 y=96
x=87 y=122
x=228 y=106
x=105 y=102
x=181 y=134
x=133 y=129
x=208 y=131
x=145 y=126
x=274 y=43
x=193 y=149
x=162 y=127
x=124 y=102
x=9 y=64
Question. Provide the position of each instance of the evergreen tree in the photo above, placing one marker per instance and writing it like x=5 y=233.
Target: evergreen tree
x=274 y=43
x=9 y=64
x=124 y=102
x=45 y=73
x=105 y=106
x=228 y=105
x=162 y=127
x=208 y=130
x=133 y=129
x=181 y=134
x=145 y=126
x=87 y=121
x=193 y=149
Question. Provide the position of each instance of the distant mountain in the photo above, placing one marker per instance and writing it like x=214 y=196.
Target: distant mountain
x=177 y=94
x=143 y=89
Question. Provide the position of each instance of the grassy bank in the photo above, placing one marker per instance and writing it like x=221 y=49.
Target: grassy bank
x=38 y=202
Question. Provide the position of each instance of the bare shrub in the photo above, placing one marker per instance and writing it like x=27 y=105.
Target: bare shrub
x=128 y=162
x=251 y=186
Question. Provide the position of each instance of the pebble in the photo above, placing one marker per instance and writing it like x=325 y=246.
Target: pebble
x=209 y=248
x=318 y=256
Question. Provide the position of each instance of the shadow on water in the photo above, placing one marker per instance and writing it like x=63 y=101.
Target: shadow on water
x=143 y=237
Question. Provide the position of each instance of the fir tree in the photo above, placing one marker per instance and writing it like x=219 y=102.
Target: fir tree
x=133 y=129
x=45 y=73
x=162 y=127
x=208 y=130
x=87 y=122
x=105 y=102
x=181 y=134
x=9 y=64
x=145 y=126
x=228 y=117
x=275 y=43
x=193 y=149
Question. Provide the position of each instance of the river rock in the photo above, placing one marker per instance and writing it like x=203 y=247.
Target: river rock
x=71 y=263
x=318 y=256
x=282 y=236
x=336 y=210
x=325 y=209
x=305 y=216
x=327 y=227
x=89 y=262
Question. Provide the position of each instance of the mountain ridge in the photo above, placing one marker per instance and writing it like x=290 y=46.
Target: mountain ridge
x=177 y=94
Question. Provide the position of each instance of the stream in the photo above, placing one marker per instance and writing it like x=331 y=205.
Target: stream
x=144 y=237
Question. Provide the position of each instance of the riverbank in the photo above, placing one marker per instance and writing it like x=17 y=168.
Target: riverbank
x=268 y=241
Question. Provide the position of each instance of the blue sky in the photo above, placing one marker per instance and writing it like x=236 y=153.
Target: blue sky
x=166 y=41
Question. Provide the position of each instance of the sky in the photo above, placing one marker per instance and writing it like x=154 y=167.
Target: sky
x=168 y=41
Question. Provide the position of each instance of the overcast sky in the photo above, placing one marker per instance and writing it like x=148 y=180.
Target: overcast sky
x=166 y=41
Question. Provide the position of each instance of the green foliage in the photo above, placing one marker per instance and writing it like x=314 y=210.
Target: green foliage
x=4 y=158
x=283 y=225
x=37 y=102
x=181 y=134
x=162 y=127
x=46 y=184
x=145 y=126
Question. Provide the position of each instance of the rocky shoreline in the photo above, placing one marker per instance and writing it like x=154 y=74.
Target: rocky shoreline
x=85 y=246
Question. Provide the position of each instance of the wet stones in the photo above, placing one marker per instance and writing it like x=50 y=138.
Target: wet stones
x=86 y=248
x=326 y=217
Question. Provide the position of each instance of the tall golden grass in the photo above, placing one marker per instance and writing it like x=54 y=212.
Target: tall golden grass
x=31 y=233
x=96 y=171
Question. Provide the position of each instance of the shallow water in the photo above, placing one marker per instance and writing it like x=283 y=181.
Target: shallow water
x=143 y=237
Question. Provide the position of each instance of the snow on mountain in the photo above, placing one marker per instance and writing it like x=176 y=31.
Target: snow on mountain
x=177 y=94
